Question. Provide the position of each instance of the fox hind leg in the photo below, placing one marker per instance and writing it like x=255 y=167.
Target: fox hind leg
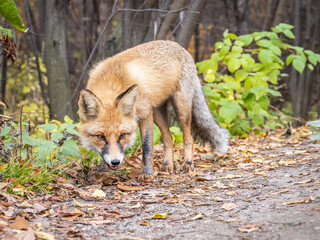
x=146 y=130
x=183 y=108
x=161 y=120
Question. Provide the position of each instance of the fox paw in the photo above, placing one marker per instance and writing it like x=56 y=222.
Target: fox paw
x=187 y=167
x=167 y=167
x=146 y=178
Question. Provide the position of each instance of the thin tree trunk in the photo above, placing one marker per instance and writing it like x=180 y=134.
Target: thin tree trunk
x=295 y=87
x=170 y=19
x=127 y=25
x=56 y=59
x=190 y=20
x=280 y=13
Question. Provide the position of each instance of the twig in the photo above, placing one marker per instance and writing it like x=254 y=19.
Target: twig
x=20 y=141
x=293 y=118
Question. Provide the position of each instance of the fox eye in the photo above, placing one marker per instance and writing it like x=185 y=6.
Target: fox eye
x=101 y=137
x=122 y=136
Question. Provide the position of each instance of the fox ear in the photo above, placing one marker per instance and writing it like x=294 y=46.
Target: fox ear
x=89 y=105
x=126 y=101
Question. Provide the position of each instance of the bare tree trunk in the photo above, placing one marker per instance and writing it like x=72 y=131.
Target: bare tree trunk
x=190 y=20
x=280 y=12
x=170 y=19
x=127 y=25
x=294 y=78
x=56 y=58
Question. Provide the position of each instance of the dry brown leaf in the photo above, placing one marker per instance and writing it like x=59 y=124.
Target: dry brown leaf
x=260 y=174
x=83 y=205
x=306 y=181
x=143 y=223
x=19 y=224
x=100 y=222
x=277 y=193
x=25 y=204
x=196 y=217
x=129 y=188
x=249 y=228
x=307 y=200
x=39 y=208
x=99 y=194
x=45 y=236
x=229 y=206
x=26 y=235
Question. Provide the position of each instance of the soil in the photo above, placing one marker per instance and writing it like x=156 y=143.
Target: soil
x=266 y=188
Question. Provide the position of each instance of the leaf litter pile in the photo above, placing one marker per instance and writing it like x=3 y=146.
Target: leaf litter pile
x=264 y=188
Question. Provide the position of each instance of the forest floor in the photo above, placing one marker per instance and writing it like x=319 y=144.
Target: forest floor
x=264 y=188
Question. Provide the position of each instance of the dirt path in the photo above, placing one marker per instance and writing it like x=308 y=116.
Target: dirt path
x=264 y=189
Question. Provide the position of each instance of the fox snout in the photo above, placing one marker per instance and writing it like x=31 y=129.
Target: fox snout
x=113 y=158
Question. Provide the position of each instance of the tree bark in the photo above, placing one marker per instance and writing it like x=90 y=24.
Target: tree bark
x=127 y=25
x=56 y=59
x=190 y=20
x=170 y=19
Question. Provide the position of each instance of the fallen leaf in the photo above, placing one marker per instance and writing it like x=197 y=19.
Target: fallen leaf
x=196 y=217
x=138 y=205
x=143 y=223
x=305 y=181
x=39 y=208
x=44 y=235
x=249 y=228
x=204 y=178
x=129 y=188
x=19 y=224
x=100 y=222
x=99 y=194
x=3 y=185
x=277 y=193
x=261 y=174
x=229 y=206
x=25 y=204
x=307 y=200
x=26 y=235
x=82 y=205
x=160 y=215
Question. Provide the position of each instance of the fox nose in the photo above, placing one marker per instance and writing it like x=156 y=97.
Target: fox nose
x=115 y=162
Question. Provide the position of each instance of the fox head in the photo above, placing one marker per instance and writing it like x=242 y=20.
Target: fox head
x=108 y=129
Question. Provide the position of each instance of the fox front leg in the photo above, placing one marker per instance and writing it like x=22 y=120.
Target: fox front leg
x=146 y=130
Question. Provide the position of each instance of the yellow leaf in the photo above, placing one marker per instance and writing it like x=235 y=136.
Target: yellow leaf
x=3 y=167
x=160 y=215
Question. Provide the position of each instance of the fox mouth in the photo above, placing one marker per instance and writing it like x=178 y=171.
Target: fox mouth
x=113 y=167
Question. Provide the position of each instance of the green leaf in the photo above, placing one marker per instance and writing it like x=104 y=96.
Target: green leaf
x=234 y=64
x=225 y=33
x=298 y=64
x=289 y=34
x=10 y=12
x=5 y=131
x=264 y=43
x=240 y=75
x=229 y=111
x=56 y=136
x=265 y=56
x=30 y=140
x=176 y=134
x=289 y=59
x=246 y=39
x=6 y=31
x=48 y=127
x=70 y=148
x=245 y=125
x=45 y=148
x=205 y=65
x=156 y=134
x=264 y=101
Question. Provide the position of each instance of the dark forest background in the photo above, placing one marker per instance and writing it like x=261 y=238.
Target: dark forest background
x=66 y=38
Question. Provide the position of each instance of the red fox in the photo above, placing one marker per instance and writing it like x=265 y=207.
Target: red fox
x=134 y=88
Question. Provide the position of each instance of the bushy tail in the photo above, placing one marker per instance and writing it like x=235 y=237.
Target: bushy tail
x=204 y=127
